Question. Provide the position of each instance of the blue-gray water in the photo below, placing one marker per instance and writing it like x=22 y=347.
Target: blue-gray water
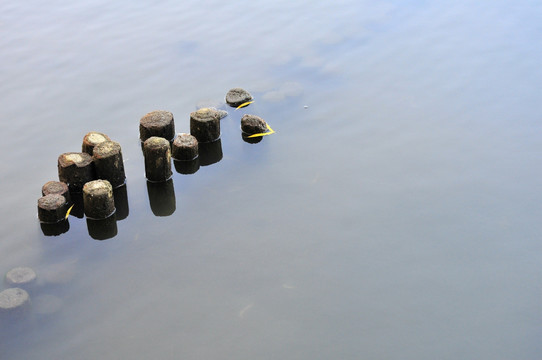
x=395 y=214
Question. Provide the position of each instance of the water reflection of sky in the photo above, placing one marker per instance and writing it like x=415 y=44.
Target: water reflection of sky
x=393 y=214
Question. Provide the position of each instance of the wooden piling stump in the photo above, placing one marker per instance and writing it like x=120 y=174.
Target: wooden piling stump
x=237 y=96
x=157 y=155
x=108 y=163
x=205 y=125
x=92 y=139
x=252 y=124
x=56 y=187
x=14 y=300
x=157 y=123
x=76 y=169
x=21 y=276
x=52 y=208
x=185 y=147
x=98 y=199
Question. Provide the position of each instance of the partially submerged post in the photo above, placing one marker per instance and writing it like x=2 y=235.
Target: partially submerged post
x=108 y=163
x=98 y=199
x=52 y=208
x=157 y=155
x=75 y=169
x=205 y=125
x=252 y=124
x=157 y=123
x=22 y=276
x=237 y=96
x=92 y=139
x=14 y=301
x=184 y=147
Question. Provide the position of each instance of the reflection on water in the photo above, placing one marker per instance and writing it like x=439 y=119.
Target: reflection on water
x=394 y=214
x=161 y=197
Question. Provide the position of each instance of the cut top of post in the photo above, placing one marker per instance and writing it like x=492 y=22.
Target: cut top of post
x=205 y=114
x=107 y=148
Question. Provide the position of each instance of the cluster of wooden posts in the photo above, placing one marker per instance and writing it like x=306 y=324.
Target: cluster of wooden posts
x=98 y=169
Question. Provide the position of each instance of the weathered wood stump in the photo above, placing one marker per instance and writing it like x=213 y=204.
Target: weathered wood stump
x=205 y=125
x=55 y=229
x=237 y=96
x=184 y=147
x=22 y=277
x=157 y=123
x=52 y=208
x=98 y=199
x=92 y=139
x=108 y=163
x=252 y=124
x=56 y=187
x=14 y=301
x=157 y=155
x=76 y=169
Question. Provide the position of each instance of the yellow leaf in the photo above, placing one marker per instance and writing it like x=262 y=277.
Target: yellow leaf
x=68 y=212
x=271 y=131
x=244 y=104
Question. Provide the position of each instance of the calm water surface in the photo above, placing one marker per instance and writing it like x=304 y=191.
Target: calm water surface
x=395 y=214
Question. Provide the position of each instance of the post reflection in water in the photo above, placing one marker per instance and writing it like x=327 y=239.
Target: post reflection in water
x=120 y=194
x=186 y=167
x=78 y=209
x=55 y=229
x=251 y=140
x=210 y=153
x=161 y=197
x=102 y=229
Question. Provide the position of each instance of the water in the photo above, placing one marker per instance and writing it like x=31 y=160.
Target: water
x=393 y=215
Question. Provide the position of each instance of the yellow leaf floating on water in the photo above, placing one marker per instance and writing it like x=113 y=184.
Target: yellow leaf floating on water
x=271 y=131
x=68 y=212
x=244 y=104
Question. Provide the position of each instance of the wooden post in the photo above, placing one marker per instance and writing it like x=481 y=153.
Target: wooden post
x=108 y=163
x=14 y=301
x=23 y=277
x=52 y=208
x=157 y=123
x=184 y=148
x=98 y=199
x=157 y=155
x=56 y=187
x=237 y=96
x=76 y=169
x=205 y=125
x=92 y=139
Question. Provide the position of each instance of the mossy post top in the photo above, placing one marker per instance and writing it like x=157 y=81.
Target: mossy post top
x=106 y=149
